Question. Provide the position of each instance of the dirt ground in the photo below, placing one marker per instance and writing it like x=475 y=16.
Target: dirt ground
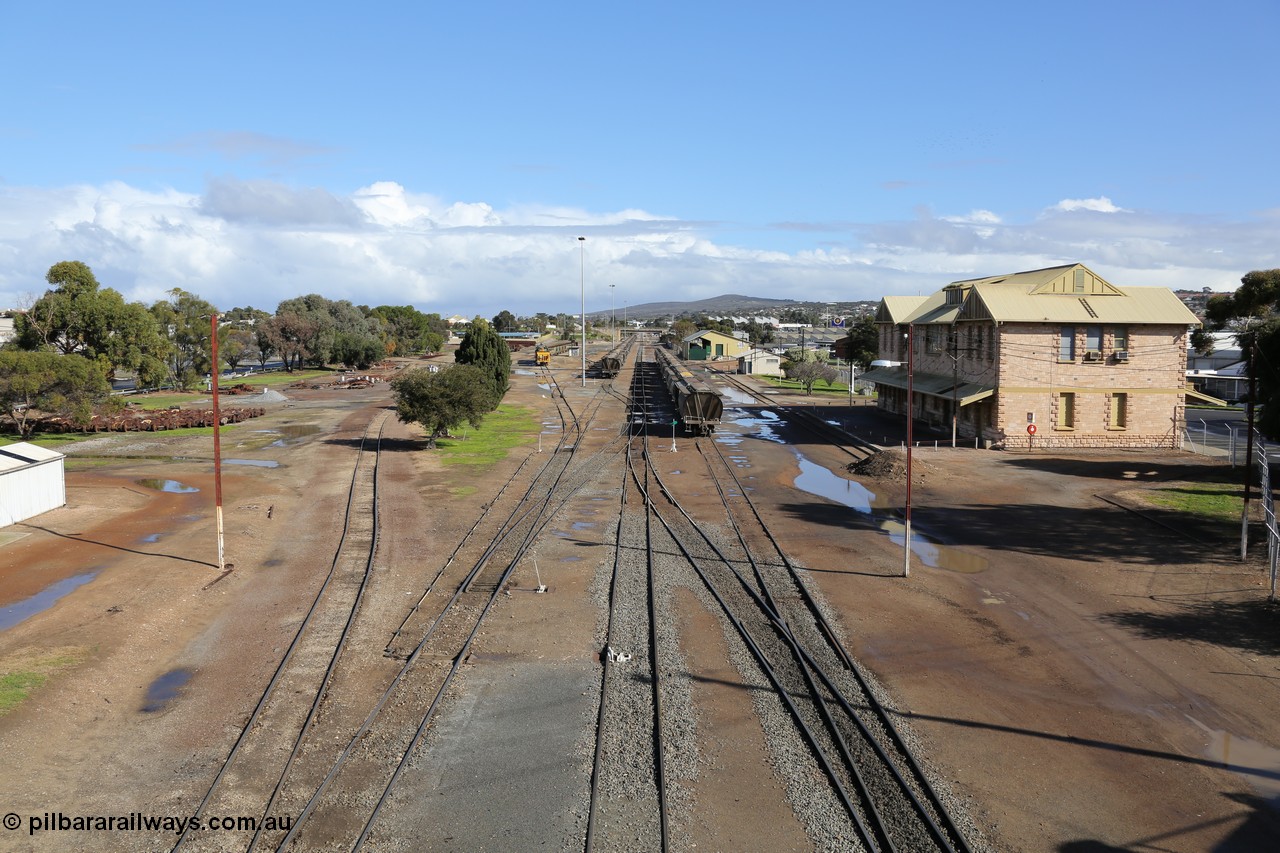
x=1087 y=672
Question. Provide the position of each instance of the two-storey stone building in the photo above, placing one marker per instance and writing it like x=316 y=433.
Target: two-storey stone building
x=1080 y=361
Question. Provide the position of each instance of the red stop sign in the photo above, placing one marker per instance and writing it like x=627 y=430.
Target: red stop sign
x=1031 y=429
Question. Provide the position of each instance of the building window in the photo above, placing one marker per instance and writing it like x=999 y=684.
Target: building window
x=1067 y=343
x=1119 y=405
x=1093 y=338
x=1066 y=410
x=934 y=336
x=1078 y=281
x=1120 y=338
x=991 y=344
x=976 y=346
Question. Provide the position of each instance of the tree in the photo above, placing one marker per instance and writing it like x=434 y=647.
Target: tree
x=187 y=317
x=482 y=347
x=288 y=335
x=505 y=321
x=864 y=340
x=79 y=317
x=682 y=329
x=1253 y=313
x=443 y=400
x=66 y=385
x=234 y=345
x=809 y=373
x=356 y=351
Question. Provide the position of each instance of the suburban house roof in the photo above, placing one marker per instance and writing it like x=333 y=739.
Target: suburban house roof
x=1071 y=294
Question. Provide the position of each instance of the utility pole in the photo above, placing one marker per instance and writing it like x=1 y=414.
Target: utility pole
x=1248 y=456
x=582 y=243
x=906 y=537
x=217 y=444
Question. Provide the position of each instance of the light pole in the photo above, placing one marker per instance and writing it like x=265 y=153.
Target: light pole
x=906 y=537
x=613 y=312
x=582 y=245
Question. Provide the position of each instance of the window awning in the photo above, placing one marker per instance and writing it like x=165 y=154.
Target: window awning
x=931 y=384
x=1204 y=398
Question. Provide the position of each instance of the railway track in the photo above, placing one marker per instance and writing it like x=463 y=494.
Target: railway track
x=874 y=795
x=343 y=810
x=628 y=794
x=267 y=751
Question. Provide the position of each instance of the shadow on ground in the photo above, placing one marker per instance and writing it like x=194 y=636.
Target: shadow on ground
x=1252 y=625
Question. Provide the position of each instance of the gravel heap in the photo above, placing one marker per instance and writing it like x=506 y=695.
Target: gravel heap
x=889 y=464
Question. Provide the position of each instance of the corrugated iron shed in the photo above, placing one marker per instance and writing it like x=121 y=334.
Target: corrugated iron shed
x=32 y=481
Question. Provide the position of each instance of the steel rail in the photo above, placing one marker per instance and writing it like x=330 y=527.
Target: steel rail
x=269 y=692
x=401 y=675
x=784 y=695
x=873 y=704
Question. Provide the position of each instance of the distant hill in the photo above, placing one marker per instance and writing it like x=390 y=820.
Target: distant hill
x=733 y=304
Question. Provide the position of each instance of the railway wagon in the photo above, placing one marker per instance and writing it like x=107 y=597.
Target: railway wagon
x=609 y=366
x=698 y=404
x=542 y=357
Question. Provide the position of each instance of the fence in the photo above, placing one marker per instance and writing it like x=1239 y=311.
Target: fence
x=1260 y=459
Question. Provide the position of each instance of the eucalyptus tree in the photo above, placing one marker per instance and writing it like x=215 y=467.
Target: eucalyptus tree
x=80 y=317
x=186 y=318
x=47 y=382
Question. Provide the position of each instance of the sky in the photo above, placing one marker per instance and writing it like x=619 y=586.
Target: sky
x=450 y=155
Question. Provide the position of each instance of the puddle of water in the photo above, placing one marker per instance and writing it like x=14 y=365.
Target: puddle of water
x=257 y=463
x=165 y=689
x=166 y=485
x=151 y=537
x=677 y=471
x=817 y=480
x=933 y=553
x=523 y=372
x=1257 y=762
x=20 y=611
x=762 y=426
x=583 y=525
x=736 y=396
x=291 y=433
x=544 y=386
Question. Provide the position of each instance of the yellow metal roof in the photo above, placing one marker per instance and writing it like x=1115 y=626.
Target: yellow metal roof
x=1071 y=294
x=895 y=309
x=1204 y=398
x=931 y=384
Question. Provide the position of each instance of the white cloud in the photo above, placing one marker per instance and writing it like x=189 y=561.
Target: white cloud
x=1102 y=204
x=258 y=243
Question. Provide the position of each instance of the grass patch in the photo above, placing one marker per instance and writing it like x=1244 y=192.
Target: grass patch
x=1220 y=501
x=21 y=677
x=464 y=491
x=841 y=388
x=501 y=430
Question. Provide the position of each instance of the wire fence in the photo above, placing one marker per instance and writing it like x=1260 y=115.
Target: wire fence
x=1261 y=460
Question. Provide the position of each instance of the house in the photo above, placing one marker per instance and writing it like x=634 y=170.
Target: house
x=1056 y=357
x=707 y=344
x=759 y=362
x=1222 y=373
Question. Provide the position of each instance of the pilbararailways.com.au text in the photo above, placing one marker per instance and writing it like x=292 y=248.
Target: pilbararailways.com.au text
x=139 y=822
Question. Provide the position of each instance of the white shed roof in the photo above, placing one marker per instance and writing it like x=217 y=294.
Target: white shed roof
x=21 y=454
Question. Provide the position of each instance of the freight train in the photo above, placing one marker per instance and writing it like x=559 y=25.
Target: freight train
x=698 y=405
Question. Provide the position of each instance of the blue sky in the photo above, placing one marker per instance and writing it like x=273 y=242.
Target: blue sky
x=449 y=155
